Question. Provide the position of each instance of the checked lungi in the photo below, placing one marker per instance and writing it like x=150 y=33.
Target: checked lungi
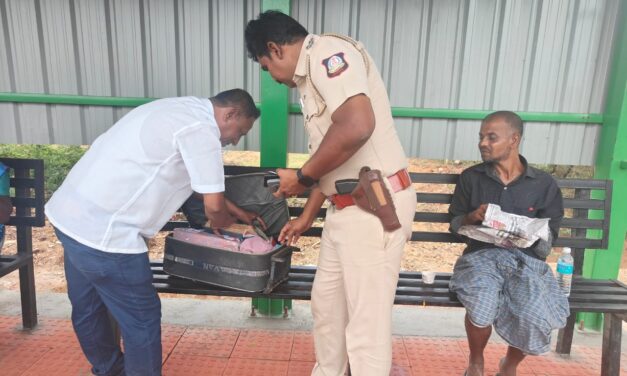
x=515 y=293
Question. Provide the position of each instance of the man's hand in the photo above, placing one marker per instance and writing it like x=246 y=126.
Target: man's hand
x=288 y=185
x=216 y=211
x=292 y=230
x=475 y=217
x=244 y=216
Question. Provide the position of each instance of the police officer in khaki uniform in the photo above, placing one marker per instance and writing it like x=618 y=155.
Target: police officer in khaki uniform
x=348 y=118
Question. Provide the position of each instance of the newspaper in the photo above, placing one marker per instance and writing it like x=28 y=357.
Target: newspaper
x=507 y=230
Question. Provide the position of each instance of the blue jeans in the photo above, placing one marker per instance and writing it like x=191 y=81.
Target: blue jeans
x=100 y=283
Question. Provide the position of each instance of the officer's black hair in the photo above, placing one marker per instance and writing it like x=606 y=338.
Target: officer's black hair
x=239 y=99
x=271 y=26
x=513 y=120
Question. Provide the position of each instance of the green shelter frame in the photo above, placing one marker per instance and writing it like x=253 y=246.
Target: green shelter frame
x=611 y=157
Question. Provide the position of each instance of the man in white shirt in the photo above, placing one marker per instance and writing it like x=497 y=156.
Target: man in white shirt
x=122 y=191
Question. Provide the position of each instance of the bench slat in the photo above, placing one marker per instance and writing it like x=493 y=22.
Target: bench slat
x=433 y=178
x=598 y=298
x=314 y=231
x=582 y=183
x=574 y=203
x=578 y=243
x=296 y=211
x=25 y=202
x=303 y=269
x=438 y=237
x=175 y=224
x=600 y=289
x=582 y=223
x=430 y=301
x=424 y=290
x=22 y=182
x=432 y=217
x=238 y=170
x=434 y=198
x=598 y=308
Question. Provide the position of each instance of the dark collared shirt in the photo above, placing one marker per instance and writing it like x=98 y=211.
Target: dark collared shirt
x=534 y=194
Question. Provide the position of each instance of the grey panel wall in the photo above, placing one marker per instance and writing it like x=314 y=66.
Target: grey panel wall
x=526 y=55
x=549 y=55
x=127 y=48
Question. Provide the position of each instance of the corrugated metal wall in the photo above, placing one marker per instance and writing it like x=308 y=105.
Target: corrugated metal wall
x=128 y=48
x=542 y=55
x=549 y=55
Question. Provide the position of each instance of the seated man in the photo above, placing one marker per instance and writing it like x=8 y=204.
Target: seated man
x=5 y=202
x=513 y=290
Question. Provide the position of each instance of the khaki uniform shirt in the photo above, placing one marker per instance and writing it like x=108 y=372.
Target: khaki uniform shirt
x=330 y=70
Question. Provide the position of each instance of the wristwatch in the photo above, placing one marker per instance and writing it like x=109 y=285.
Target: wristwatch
x=304 y=180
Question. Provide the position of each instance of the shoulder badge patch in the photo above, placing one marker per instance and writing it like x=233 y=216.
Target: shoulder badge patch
x=335 y=64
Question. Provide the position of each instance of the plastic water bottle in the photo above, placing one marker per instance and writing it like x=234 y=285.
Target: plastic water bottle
x=565 y=271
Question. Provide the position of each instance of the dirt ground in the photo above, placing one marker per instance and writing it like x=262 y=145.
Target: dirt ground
x=48 y=253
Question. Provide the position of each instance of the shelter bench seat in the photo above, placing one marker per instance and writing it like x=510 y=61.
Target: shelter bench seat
x=587 y=295
x=27 y=197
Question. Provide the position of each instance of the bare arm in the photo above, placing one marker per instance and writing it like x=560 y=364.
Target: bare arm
x=216 y=210
x=353 y=123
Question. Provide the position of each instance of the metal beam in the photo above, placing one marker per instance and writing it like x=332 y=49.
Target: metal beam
x=274 y=103
x=400 y=112
x=86 y=100
x=611 y=155
x=273 y=141
x=461 y=114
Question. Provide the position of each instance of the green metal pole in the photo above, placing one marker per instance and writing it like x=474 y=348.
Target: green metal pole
x=442 y=113
x=274 y=103
x=611 y=163
x=460 y=114
x=86 y=100
x=399 y=112
x=273 y=141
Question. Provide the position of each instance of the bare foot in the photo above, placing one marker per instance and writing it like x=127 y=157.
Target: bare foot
x=474 y=369
x=505 y=370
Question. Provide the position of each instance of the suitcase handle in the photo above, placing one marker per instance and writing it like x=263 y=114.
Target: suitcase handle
x=277 y=258
x=280 y=256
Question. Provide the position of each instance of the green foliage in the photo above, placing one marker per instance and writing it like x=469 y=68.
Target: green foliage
x=58 y=160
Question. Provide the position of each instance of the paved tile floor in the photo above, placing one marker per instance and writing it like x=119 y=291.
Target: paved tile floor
x=52 y=349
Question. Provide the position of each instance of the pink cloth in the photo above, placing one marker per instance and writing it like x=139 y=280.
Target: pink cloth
x=255 y=245
x=205 y=239
x=252 y=245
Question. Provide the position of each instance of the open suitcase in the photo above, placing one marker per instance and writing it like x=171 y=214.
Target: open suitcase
x=239 y=271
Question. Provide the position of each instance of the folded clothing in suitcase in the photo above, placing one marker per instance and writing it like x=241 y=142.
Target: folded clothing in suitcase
x=251 y=244
x=210 y=263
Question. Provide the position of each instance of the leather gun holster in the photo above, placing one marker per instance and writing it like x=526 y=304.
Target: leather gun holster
x=372 y=195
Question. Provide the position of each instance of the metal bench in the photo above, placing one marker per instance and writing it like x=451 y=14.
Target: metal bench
x=587 y=295
x=27 y=197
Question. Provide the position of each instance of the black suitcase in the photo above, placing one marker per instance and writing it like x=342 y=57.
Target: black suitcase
x=239 y=271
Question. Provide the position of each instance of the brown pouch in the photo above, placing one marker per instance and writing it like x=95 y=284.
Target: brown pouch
x=372 y=195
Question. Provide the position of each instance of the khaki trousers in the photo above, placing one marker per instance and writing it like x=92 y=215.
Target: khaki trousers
x=354 y=288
